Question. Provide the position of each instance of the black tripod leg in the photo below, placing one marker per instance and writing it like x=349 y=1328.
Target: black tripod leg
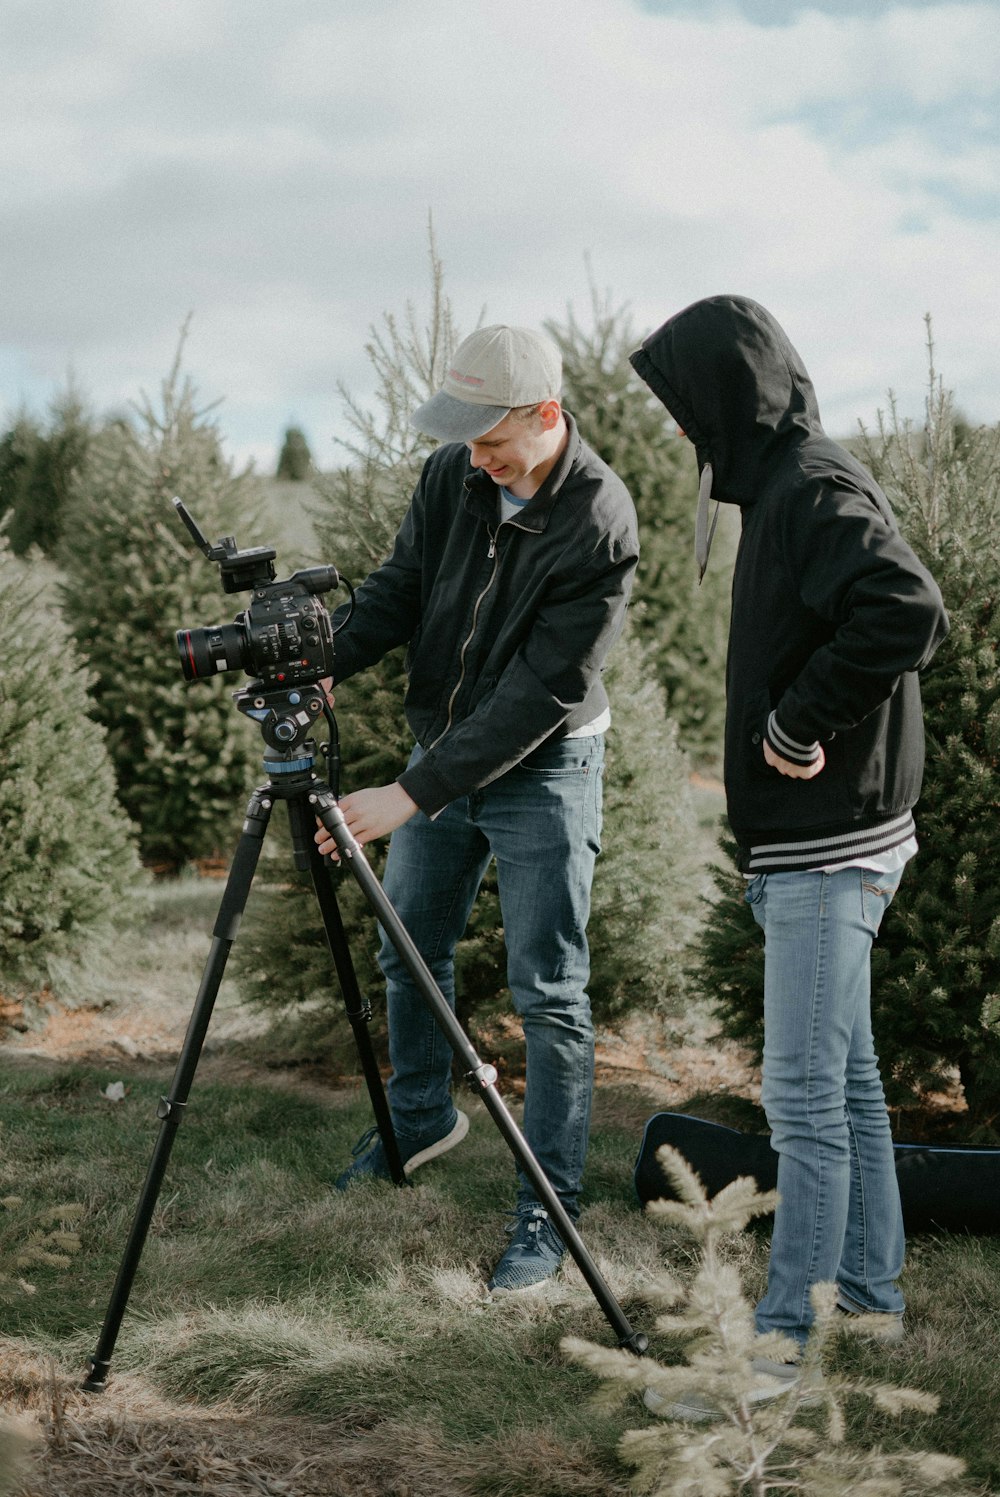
x=170 y=1110
x=357 y=1007
x=482 y=1077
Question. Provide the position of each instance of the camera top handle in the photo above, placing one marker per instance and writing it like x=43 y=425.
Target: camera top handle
x=240 y=570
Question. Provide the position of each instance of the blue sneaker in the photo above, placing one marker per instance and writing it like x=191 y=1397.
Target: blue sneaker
x=534 y=1254
x=370 y=1162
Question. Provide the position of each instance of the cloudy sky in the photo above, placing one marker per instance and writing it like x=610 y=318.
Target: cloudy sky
x=269 y=168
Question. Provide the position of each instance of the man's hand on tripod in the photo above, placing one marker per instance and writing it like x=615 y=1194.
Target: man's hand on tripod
x=370 y=814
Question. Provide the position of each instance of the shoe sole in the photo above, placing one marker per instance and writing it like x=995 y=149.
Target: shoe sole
x=432 y=1151
x=698 y=1411
x=539 y=1287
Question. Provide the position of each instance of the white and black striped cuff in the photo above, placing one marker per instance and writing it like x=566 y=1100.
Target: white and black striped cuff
x=787 y=748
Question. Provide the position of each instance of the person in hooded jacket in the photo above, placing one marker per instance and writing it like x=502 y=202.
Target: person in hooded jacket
x=832 y=618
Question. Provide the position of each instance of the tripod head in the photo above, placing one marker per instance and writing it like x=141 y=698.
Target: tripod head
x=285 y=717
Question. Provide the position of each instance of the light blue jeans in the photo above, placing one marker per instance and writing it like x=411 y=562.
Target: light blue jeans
x=839 y=1216
x=542 y=823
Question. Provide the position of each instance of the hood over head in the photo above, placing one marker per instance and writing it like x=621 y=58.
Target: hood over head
x=727 y=373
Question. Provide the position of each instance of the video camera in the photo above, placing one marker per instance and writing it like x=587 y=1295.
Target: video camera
x=283 y=639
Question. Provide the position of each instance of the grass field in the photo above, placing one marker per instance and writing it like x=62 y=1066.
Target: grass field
x=281 y=1338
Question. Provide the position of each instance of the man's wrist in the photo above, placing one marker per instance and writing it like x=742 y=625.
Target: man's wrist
x=788 y=748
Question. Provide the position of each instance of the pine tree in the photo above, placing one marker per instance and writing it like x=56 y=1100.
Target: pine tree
x=54 y=460
x=726 y=961
x=747 y=1447
x=937 y=998
x=643 y=888
x=936 y=964
x=68 y=867
x=18 y=447
x=647 y=880
x=685 y=626
x=295 y=460
x=362 y=504
x=182 y=755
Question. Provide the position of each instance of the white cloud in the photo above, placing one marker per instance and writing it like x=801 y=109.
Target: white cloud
x=271 y=170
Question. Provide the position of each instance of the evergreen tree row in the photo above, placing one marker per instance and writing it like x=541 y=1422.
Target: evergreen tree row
x=182 y=760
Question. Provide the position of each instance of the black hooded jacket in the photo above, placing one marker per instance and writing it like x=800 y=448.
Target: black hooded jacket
x=507 y=625
x=833 y=614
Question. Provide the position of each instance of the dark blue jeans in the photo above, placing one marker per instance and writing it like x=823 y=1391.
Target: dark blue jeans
x=541 y=822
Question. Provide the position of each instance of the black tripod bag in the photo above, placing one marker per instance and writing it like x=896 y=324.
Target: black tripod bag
x=950 y=1187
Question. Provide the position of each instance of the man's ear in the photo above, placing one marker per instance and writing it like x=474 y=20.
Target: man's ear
x=549 y=412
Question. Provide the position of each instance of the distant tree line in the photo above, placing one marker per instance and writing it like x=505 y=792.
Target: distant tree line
x=39 y=462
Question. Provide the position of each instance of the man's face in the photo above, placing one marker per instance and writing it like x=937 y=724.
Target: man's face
x=513 y=451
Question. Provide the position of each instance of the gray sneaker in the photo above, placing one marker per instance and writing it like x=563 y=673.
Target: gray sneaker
x=771 y=1380
x=370 y=1162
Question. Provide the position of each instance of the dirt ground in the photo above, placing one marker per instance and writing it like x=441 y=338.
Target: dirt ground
x=669 y=1071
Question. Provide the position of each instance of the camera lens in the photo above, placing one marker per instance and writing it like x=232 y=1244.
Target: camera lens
x=205 y=652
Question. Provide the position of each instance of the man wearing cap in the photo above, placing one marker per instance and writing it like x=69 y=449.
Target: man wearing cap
x=508 y=581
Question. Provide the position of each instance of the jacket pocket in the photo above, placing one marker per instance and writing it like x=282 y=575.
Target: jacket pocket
x=751 y=732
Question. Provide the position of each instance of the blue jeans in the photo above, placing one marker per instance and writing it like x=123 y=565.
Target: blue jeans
x=542 y=823
x=839 y=1216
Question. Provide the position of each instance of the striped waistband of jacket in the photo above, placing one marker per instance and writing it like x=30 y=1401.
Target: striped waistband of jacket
x=806 y=852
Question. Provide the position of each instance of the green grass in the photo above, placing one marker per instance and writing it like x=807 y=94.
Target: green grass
x=357 y=1326
x=260 y=1286
x=260 y=1289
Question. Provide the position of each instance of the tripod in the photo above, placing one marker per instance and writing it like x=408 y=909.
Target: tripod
x=289 y=763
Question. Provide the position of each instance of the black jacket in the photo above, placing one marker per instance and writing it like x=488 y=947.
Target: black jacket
x=833 y=614
x=508 y=626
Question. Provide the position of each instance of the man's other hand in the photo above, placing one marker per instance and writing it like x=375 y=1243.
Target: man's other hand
x=793 y=771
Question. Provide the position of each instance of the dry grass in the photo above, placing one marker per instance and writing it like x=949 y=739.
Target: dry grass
x=141 y=1445
x=285 y=1340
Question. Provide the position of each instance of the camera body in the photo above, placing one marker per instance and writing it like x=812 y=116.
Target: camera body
x=283 y=639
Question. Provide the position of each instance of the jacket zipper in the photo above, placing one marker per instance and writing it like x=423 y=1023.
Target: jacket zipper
x=491 y=555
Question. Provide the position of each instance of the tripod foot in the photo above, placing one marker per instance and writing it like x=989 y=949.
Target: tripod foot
x=97 y=1377
x=639 y=1344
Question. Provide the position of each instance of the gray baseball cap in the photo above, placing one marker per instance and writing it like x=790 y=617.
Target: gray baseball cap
x=492 y=371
